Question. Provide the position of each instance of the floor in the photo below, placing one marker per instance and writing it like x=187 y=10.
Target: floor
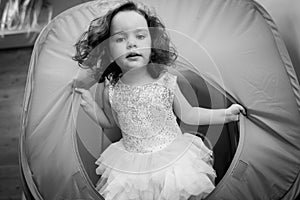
x=13 y=71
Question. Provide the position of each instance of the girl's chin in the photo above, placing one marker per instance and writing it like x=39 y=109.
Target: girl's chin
x=134 y=65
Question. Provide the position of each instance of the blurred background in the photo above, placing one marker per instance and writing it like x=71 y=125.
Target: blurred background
x=20 y=23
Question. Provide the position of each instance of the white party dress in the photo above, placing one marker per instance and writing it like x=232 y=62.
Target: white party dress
x=154 y=160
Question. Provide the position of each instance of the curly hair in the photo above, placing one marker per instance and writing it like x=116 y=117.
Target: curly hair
x=92 y=47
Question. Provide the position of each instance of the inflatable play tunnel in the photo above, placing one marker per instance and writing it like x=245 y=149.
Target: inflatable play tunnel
x=230 y=51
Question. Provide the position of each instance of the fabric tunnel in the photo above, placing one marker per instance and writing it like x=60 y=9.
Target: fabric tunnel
x=229 y=51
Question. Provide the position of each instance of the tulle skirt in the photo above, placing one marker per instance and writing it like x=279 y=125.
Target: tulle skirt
x=179 y=171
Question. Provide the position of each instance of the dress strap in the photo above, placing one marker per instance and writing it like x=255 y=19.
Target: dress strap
x=169 y=80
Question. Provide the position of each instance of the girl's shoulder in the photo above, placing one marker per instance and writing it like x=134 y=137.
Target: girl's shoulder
x=169 y=79
x=169 y=76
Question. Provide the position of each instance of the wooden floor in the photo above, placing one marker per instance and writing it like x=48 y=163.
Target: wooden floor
x=13 y=71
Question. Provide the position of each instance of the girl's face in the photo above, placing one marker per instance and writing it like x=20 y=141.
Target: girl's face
x=130 y=41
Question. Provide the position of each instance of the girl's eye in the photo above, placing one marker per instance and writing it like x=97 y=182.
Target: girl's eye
x=120 y=39
x=140 y=36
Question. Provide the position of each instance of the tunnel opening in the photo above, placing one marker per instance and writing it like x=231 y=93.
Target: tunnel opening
x=221 y=139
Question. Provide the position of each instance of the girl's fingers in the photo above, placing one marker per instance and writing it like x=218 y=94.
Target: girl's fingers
x=241 y=109
x=79 y=90
x=83 y=103
x=85 y=94
x=235 y=118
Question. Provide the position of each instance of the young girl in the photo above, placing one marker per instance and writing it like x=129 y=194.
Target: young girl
x=154 y=159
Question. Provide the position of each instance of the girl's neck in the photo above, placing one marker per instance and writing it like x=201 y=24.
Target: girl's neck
x=136 y=76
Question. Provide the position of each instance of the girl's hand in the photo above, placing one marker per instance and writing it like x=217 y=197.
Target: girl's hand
x=92 y=109
x=87 y=101
x=232 y=113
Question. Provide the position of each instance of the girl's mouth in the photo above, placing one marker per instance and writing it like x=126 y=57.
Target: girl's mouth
x=133 y=55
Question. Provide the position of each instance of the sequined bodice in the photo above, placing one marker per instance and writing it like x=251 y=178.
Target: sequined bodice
x=145 y=114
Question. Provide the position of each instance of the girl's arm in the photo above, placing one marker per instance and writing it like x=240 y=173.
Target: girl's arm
x=202 y=116
x=103 y=117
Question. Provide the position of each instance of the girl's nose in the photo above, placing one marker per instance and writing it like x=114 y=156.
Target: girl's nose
x=131 y=44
